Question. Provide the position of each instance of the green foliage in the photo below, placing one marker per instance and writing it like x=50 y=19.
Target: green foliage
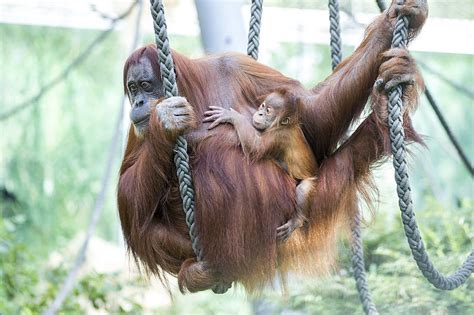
x=28 y=285
x=15 y=270
x=207 y=303
x=396 y=283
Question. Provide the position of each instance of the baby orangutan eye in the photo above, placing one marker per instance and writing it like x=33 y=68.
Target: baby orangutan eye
x=145 y=85
x=285 y=121
x=268 y=111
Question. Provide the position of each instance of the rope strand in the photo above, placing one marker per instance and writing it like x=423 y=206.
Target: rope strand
x=358 y=266
x=181 y=158
x=335 y=32
x=254 y=29
x=357 y=259
x=397 y=138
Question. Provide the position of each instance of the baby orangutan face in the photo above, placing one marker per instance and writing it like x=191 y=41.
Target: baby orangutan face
x=270 y=112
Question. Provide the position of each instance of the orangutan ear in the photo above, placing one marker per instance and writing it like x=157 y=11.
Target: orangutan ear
x=285 y=121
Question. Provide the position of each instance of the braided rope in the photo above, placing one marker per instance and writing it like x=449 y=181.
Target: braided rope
x=357 y=259
x=181 y=158
x=335 y=31
x=252 y=51
x=358 y=265
x=254 y=29
x=397 y=136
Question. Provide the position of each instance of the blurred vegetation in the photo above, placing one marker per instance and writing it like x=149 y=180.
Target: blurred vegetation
x=29 y=284
x=53 y=156
x=396 y=283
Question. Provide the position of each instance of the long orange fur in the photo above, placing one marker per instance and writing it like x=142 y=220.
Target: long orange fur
x=240 y=203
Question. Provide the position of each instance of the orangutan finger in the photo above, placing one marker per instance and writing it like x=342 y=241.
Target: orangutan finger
x=211 y=118
x=216 y=123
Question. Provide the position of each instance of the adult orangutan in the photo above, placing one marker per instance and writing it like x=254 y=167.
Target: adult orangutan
x=239 y=203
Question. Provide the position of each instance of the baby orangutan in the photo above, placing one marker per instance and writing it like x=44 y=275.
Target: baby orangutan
x=275 y=133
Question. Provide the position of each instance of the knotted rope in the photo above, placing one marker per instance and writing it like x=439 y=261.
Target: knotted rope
x=397 y=138
x=181 y=158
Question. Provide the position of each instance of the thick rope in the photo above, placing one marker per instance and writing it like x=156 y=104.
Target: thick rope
x=254 y=29
x=181 y=158
x=357 y=259
x=335 y=31
x=462 y=155
x=397 y=137
x=252 y=51
x=358 y=265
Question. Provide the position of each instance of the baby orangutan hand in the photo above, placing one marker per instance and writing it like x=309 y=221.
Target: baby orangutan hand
x=219 y=115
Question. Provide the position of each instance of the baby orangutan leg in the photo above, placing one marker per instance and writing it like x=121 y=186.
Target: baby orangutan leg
x=304 y=192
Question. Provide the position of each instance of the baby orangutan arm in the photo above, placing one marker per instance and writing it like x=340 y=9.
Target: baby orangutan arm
x=254 y=142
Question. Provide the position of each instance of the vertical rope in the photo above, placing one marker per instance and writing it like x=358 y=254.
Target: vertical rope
x=397 y=138
x=358 y=265
x=252 y=51
x=335 y=32
x=254 y=29
x=357 y=259
x=181 y=158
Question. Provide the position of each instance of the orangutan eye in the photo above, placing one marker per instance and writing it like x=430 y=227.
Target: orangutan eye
x=285 y=121
x=145 y=85
x=262 y=105
x=268 y=111
x=132 y=88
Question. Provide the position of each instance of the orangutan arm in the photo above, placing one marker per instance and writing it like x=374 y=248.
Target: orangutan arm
x=146 y=171
x=347 y=168
x=255 y=143
x=342 y=96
